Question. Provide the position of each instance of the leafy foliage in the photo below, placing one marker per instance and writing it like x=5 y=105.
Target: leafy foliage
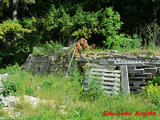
x=65 y=21
x=9 y=88
x=155 y=80
x=29 y=90
x=10 y=28
x=122 y=41
x=11 y=47
x=153 y=93
x=95 y=89
x=83 y=24
x=104 y=22
x=47 y=48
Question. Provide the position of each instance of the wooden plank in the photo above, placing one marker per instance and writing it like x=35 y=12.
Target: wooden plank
x=111 y=92
x=136 y=87
x=150 y=70
x=125 y=80
x=131 y=68
x=136 y=71
x=95 y=65
x=105 y=70
x=104 y=74
x=137 y=82
x=111 y=67
x=111 y=88
x=111 y=79
x=129 y=63
x=138 y=78
x=105 y=83
x=111 y=83
x=104 y=78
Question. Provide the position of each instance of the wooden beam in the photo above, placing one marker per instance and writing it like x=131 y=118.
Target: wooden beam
x=125 y=80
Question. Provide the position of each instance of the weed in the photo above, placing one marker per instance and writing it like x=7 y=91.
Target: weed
x=29 y=90
x=9 y=88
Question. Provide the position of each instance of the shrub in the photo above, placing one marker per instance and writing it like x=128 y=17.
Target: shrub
x=11 y=69
x=122 y=41
x=153 y=92
x=9 y=88
x=11 y=28
x=13 y=44
x=155 y=80
x=104 y=22
x=95 y=89
x=47 y=48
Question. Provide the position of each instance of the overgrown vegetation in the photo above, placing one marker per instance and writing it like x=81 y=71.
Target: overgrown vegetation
x=70 y=102
x=43 y=27
x=48 y=48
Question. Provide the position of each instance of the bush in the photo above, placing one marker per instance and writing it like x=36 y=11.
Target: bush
x=9 y=88
x=13 y=44
x=153 y=92
x=11 y=69
x=47 y=48
x=155 y=80
x=95 y=89
x=11 y=28
x=122 y=41
x=104 y=22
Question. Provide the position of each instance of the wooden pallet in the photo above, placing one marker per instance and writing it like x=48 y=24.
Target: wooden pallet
x=109 y=79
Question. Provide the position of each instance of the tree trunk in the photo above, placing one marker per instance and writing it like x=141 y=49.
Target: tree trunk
x=15 y=6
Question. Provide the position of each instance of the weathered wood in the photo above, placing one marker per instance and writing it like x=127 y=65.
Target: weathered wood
x=111 y=79
x=111 y=88
x=105 y=70
x=104 y=74
x=106 y=83
x=95 y=65
x=149 y=75
x=125 y=80
x=130 y=63
x=138 y=78
x=131 y=68
x=136 y=71
x=150 y=70
x=137 y=82
x=111 y=92
x=104 y=78
x=111 y=83
x=111 y=67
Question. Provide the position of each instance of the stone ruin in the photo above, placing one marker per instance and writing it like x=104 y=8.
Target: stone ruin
x=47 y=63
x=111 y=67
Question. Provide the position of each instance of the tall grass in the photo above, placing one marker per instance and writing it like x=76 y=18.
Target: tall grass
x=68 y=100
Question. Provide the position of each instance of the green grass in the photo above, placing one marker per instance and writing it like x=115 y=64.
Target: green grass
x=69 y=102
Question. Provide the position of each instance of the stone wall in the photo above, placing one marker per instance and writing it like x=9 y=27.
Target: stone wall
x=55 y=62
